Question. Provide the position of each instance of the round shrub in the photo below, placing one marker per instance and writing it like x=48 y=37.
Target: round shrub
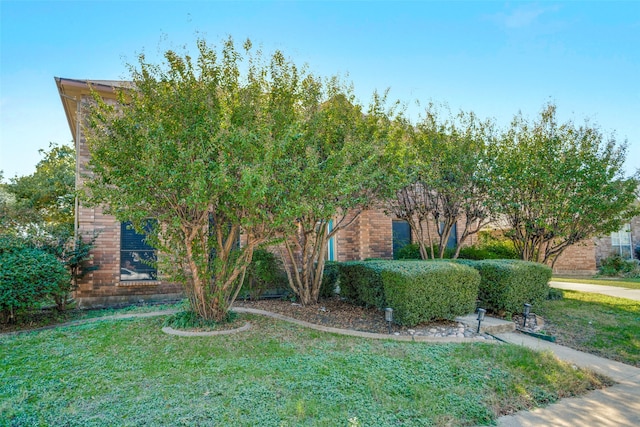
x=28 y=277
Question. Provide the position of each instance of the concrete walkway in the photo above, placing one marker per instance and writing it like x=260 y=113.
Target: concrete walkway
x=615 y=406
x=612 y=291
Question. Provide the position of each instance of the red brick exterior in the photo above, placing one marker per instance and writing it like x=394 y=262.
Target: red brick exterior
x=579 y=259
x=369 y=236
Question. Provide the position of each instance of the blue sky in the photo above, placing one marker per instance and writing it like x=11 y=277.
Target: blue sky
x=494 y=58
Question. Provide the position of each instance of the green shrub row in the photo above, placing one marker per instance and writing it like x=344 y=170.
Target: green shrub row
x=421 y=291
x=493 y=249
x=417 y=291
x=506 y=285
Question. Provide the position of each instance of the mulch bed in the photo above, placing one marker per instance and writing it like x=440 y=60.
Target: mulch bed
x=335 y=313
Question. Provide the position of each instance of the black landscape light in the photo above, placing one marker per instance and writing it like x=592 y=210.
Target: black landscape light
x=388 y=316
x=525 y=314
x=481 y=312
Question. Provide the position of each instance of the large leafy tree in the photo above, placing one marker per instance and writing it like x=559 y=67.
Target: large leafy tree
x=557 y=184
x=228 y=144
x=43 y=202
x=443 y=178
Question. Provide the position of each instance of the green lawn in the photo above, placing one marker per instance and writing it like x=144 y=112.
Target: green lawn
x=598 y=324
x=128 y=373
x=618 y=281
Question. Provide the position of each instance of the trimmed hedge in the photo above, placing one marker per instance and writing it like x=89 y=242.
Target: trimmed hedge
x=418 y=291
x=424 y=291
x=329 y=279
x=361 y=283
x=506 y=285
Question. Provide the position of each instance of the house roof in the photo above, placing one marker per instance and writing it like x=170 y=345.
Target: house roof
x=73 y=90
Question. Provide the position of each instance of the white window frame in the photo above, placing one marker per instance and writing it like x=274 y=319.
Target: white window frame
x=621 y=242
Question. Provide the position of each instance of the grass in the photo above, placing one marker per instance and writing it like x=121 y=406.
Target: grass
x=129 y=373
x=617 y=281
x=595 y=323
x=35 y=319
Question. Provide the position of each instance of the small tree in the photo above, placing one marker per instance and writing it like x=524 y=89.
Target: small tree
x=330 y=174
x=557 y=184
x=445 y=179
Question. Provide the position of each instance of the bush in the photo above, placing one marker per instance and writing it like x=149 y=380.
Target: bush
x=329 y=279
x=410 y=251
x=418 y=291
x=361 y=283
x=506 y=285
x=424 y=291
x=617 y=266
x=490 y=246
x=265 y=273
x=28 y=277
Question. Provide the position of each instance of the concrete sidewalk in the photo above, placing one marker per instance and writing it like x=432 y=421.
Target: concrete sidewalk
x=615 y=406
x=612 y=291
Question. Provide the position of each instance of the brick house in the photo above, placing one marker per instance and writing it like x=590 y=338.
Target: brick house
x=124 y=277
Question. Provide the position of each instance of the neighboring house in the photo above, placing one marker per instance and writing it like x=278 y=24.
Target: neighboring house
x=585 y=258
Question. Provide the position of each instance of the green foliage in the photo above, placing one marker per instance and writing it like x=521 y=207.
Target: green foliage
x=490 y=246
x=45 y=198
x=441 y=173
x=417 y=291
x=506 y=285
x=555 y=294
x=361 y=282
x=265 y=273
x=410 y=251
x=424 y=291
x=28 y=277
x=329 y=279
x=616 y=266
x=557 y=184
x=198 y=146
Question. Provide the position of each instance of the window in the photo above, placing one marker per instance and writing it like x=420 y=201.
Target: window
x=332 y=254
x=621 y=242
x=452 y=242
x=137 y=258
x=401 y=235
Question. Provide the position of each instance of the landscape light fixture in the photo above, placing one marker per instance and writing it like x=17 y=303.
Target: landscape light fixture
x=481 y=312
x=525 y=314
x=388 y=316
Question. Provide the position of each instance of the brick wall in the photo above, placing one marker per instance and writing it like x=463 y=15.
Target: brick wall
x=103 y=287
x=579 y=259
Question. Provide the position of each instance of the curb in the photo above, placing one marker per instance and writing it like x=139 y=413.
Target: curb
x=170 y=331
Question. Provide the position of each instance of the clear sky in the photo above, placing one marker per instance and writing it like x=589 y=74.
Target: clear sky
x=494 y=58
